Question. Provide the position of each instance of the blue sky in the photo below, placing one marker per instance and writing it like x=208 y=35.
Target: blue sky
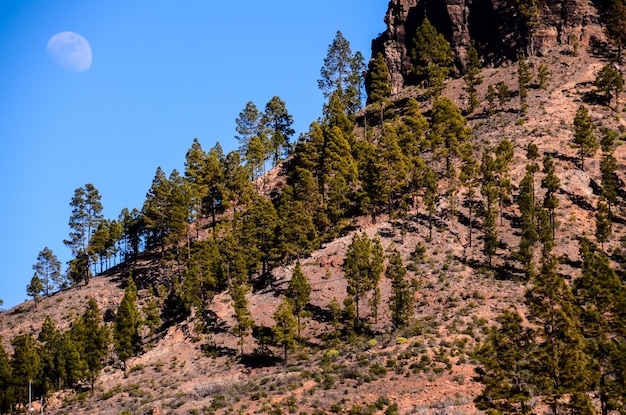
x=163 y=72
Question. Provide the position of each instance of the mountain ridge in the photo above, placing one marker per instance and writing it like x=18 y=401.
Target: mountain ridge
x=427 y=367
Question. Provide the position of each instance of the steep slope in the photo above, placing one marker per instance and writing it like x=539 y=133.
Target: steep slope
x=428 y=368
x=425 y=368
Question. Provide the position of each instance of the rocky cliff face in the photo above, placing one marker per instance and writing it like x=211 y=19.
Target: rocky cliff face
x=495 y=25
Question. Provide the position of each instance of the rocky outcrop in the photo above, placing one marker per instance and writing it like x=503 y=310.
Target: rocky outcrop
x=496 y=26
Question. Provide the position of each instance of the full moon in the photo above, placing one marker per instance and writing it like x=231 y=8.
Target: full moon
x=70 y=51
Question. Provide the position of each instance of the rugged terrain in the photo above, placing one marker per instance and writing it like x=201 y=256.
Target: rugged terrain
x=427 y=368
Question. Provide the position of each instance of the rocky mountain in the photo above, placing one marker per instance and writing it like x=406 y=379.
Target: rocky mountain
x=500 y=31
x=429 y=366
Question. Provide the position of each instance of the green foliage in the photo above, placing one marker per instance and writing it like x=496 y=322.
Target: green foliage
x=530 y=235
x=126 y=324
x=363 y=267
x=401 y=299
x=379 y=80
x=530 y=18
x=341 y=74
x=503 y=93
x=552 y=184
x=610 y=82
x=551 y=308
x=299 y=293
x=34 y=288
x=505 y=366
x=259 y=226
x=155 y=210
x=615 y=27
x=48 y=269
x=238 y=288
x=296 y=235
x=472 y=78
x=601 y=296
x=584 y=139
x=543 y=76
x=95 y=341
x=604 y=226
x=286 y=327
x=6 y=381
x=432 y=57
x=278 y=121
x=249 y=125
x=608 y=167
x=448 y=131
x=25 y=365
x=85 y=219
x=524 y=77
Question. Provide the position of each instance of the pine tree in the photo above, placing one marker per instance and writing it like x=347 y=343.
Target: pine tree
x=195 y=175
x=50 y=341
x=260 y=223
x=238 y=288
x=608 y=167
x=601 y=295
x=48 y=269
x=401 y=299
x=334 y=310
x=299 y=293
x=530 y=19
x=178 y=212
x=543 y=76
x=379 y=85
x=559 y=365
x=255 y=156
x=363 y=266
x=432 y=57
x=341 y=74
x=504 y=155
x=449 y=130
x=489 y=189
x=552 y=184
x=25 y=365
x=278 y=121
x=412 y=131
x=530 y=235
x=611 y=82
x=7 y=397
x=126 y=325
x=133 y=226
x=584 y=139
x=604 y=226
x=249 y=124
x=431 y=186
x=34 y=288
x=74 y=367
x=154 y=211
x=472 y=78
x=296 y=235
x=85 y=218
x=96 y=340
x=523 y=79
x=490 y=97
x=238 y=188
x=504 y=357
x=470 y=180
x=285 y=328
x=503 y=93
x=616 y=25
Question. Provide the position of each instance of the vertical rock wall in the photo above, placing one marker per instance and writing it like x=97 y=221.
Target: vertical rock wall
x=495 y=26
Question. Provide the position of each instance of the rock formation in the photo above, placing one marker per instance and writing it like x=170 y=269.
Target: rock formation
x=496 y=26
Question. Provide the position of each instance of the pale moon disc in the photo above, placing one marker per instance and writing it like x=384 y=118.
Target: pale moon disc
x=70 y=51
